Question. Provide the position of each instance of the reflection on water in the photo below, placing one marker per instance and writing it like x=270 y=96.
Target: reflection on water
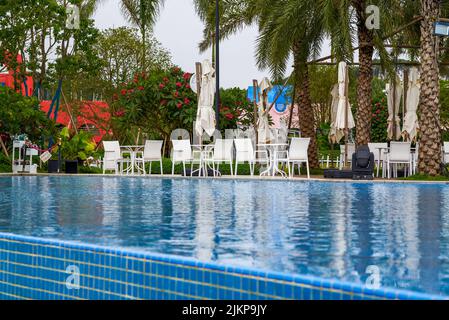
x=333 y=230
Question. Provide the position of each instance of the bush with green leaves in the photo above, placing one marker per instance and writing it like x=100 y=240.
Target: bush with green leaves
x=379 y=120
x=236 y=108
x=77 y=146
x=19 y=114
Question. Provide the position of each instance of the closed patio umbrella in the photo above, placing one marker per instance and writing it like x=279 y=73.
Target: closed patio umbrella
x=263 y=125
x=343 y=101
x=205 y=119
x=411 y=126
x=335 y=134
x=393 y=109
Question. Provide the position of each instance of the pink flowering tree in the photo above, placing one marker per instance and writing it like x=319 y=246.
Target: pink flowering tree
x=155 y=104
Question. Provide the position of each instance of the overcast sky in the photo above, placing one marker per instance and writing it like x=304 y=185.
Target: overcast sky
x=180 y=30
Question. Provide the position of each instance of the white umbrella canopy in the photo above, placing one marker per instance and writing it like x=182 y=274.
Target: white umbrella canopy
x=411 y=125
x=335 y=134
x=394 y=120
x=343 y=101
x=263 y=124
x=205 y=119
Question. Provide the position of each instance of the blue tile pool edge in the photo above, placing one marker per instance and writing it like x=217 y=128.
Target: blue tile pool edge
x=317 y=288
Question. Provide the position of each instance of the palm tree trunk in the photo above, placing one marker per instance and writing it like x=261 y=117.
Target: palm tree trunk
x=364 y=86
x=143 y=22
x=306 y=113
x=144 y=48
x=429 y=108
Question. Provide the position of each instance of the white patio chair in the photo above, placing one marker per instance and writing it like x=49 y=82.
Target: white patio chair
x=298 y=154
x=222 y=153
x=181 y=153
x=151 y=153
x=380 y=162
x=446 y=152
x=351 y=150
x=400 y=153
x=244 y=152
x=113 y=159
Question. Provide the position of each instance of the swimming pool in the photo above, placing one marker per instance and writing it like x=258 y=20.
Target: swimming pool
x=323 y=229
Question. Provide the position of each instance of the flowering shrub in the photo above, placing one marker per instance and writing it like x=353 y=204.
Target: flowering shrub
x=156 y=103
x=235 y=108
x=379 y=123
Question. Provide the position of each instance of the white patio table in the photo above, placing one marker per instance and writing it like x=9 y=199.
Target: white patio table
x=133 y=151
x=204 y=151
x=273 y=155
x=385 y=151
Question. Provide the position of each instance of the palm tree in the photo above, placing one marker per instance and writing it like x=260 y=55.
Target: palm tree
x=429 y=109
x=345 y=20
x=286 y=27
x=143 y=14
x=429 y=106
x=293 y=28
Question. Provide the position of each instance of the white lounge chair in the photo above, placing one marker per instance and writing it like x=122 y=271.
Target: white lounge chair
x=244 y=152
x=380 y=162
x=298 y=154
x=152 y=153
x=400 y=153
x=182 y=152
x=113 y=160
x=222 y=153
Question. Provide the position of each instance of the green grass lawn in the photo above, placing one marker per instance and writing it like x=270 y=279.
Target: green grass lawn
x=421 y=177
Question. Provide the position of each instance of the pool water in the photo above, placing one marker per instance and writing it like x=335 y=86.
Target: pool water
x=332 y=230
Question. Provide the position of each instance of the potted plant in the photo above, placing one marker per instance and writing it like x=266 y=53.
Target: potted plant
x=75 y=149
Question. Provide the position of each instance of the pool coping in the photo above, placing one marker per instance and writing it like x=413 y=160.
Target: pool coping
x=319 y=282
x=228 y=177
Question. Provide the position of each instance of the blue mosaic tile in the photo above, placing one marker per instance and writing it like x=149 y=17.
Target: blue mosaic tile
x=36 y=268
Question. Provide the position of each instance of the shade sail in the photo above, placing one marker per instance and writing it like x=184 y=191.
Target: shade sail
x=205 y=119
x=411 y=125
x=394 y=104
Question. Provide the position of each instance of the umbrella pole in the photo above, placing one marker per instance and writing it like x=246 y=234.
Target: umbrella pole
x=198 y=75
x=217 y=62
x=394 y=108
x=346 y=116
x=255 y=87
x=404 y=106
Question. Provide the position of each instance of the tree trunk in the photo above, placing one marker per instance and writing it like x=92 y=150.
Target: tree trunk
x=365 y=77
x=306 y=113
x=144 y=48
x=143 y=22
x=429 y=108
